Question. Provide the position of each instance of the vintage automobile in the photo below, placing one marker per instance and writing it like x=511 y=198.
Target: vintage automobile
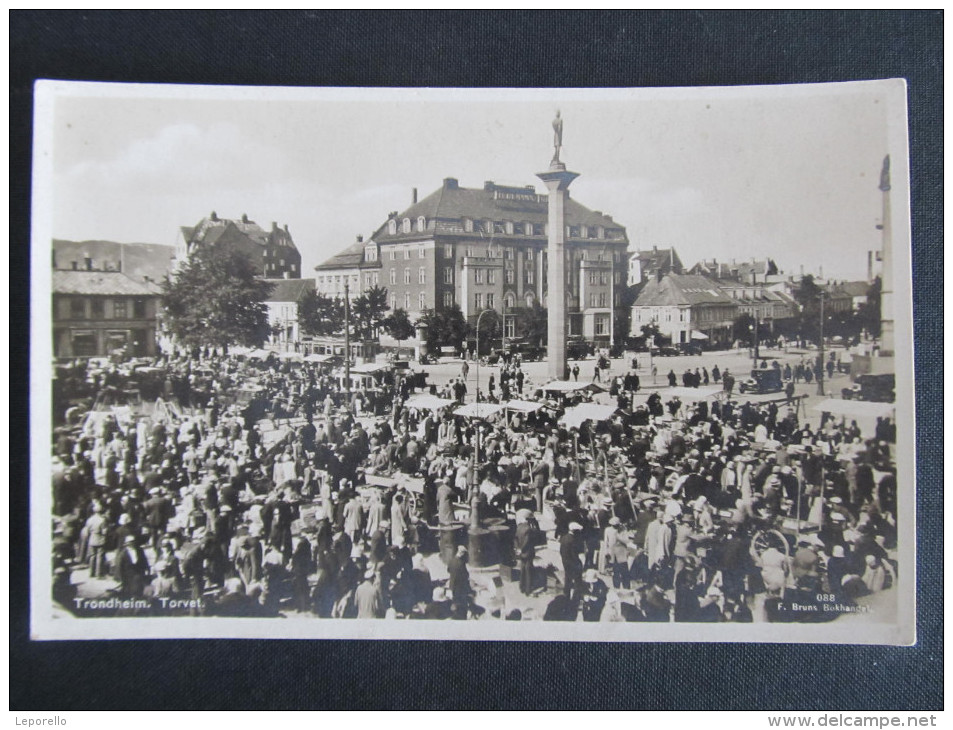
x=665 y=351
x=876 y=388
x=763 y=380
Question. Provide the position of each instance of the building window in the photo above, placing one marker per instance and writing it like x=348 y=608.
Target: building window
x=603 y=278
x=421 y=223
x=393 y=301
x=478 y=301
x=406 y=300
x=392 y=227
x=592 y=300
x=422 y=301
x=490 y=301
x=139 y=308
x=406 y=253
x=478 y=276
x=448 y=299
x=508 y=253
x=377 y=279
x=405 y=225
x=529 y=254
x=406 y=276
x=509 y=227
x=592 y=277
x=393 y=276
x=529 y=276
x=421 y=252
x=603 y=299
x=119 y=308
x=468 y=225
x=448 y=250
x=617 y=278
x=448 y=275
x=98 y=307
x=491 y=276
x=393 y=254
x=77 y=308
x=367 y=281
x=602 y=325
x=510 y=276
x=469 y=251
x=583 y=232
x=421 y=275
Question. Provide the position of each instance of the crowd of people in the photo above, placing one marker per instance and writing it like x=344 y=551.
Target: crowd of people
x=266 y=489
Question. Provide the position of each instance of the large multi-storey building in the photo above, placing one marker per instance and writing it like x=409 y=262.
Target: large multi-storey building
x=486 y=248
x=273 y=253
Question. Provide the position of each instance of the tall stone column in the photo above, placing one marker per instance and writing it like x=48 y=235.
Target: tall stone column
x=886 y=281
x=557 y=180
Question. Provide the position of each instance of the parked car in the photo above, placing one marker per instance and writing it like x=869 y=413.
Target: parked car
x=666 y=351
x=876 y=388
x=690 y=348
x=763 y=380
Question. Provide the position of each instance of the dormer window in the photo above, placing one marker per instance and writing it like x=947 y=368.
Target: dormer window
x=405 y=226
x=584 y=231
x=392 y=227
x=509 y=228
x=468 y=225
x=421 y=223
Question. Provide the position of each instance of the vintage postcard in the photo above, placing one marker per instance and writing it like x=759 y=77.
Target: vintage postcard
x=508 y=364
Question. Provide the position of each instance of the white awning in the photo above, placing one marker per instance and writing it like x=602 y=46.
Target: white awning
x=855 y=408
x=696 y=335
x=575 y=416
x=288 y=355
x=570 y=386
x=427 y=402
x=523 y=406
x=478 y=410
x=703 y=392
x=318 y=358
x=258 y=355
x=369 y=367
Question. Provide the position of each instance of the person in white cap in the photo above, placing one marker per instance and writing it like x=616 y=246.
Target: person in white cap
x=593 y=592
x=368 y=597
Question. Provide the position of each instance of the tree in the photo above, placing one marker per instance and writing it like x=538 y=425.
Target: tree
x=652 y=335
x=491 y=328
x=398 y=325
x=216 y=300
x=445 y=327
x=369 y=310
x=320 y=315
x=742 y=329
x=868 y=314
x=808 y=296
x=533 y=325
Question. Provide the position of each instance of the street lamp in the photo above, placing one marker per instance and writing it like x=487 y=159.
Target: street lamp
x=479 y=317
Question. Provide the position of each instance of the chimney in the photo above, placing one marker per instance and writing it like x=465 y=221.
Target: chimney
x=274 y=225
x=451 y=183
x=654 y=249
x=214 y=216
x=360 y=238
x=286 y=229
x=244 y=218
x=413 y=196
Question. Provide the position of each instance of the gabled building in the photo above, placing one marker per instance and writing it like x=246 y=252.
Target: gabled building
x=96 y=313
x=685 y=308
x=357 y=266
x=282 y=304
x=273 y=252
x=485 y=248
x=644 y=265
x=755 y=271
x=763 y=304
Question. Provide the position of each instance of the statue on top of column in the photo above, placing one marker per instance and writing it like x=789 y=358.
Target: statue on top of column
x=557 y=135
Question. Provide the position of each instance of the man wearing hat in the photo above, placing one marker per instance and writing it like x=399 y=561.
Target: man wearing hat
x=570 y=545
x=594 y=592
x=131 y=568
x=368 y=597
x=459 y=582
x=528 y=536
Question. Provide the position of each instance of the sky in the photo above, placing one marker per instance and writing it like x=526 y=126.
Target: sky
x=789 y=173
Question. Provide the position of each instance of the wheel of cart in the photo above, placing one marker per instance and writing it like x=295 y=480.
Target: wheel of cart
x=762 y=540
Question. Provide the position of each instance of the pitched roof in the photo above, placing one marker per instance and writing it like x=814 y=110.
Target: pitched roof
x=350 y=257
x=138 y=260
x=209 y=230
x=855 y=288
x=289 y=290
x=450 y=203
x=664 y=259
x=681 y=289
x=106 y=283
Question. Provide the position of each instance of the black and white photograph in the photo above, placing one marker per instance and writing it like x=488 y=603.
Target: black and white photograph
x=489 y=364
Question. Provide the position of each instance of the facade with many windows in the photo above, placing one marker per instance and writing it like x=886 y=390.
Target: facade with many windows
x=96 y=313
x=485 y=248
x=685 y=308
x=273 y=253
